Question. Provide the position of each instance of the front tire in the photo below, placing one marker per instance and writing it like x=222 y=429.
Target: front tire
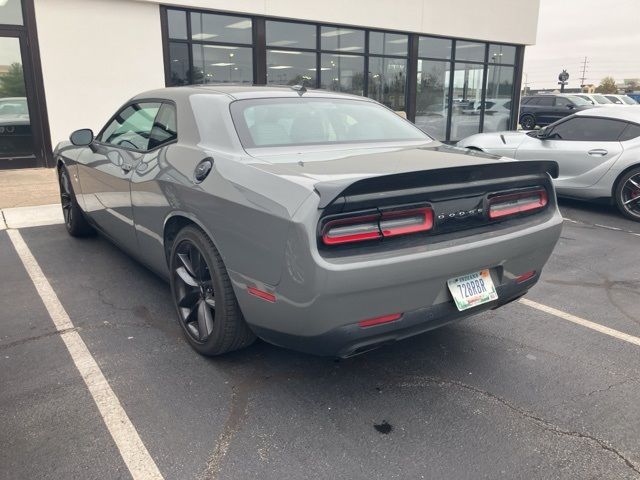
x=74 y=219
x=528 y=122
x=207 y=308
x=627 y=194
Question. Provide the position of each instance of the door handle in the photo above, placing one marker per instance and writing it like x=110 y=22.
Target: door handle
x=126 y=167
x=598 y=152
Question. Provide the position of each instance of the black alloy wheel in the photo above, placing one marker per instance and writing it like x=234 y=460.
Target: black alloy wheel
x=207 y=308
x=74 y=219
x=627 y=195
x=194 y=293
x=527 y=122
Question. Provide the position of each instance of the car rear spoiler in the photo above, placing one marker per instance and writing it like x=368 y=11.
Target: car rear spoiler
x=424 y=181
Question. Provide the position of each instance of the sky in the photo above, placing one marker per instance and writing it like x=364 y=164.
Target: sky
x=607 y=33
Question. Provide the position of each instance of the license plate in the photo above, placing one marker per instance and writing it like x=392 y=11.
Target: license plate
x=472 y=289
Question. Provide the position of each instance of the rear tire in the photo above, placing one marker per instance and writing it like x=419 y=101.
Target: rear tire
x=528 y=122
x=627 y=194
x=207 y=308
x=74 y=219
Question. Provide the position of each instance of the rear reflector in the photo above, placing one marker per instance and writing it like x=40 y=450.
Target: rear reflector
x=526 y=276
x=373 y=226
x=513 y=203
x=269 y=297
x=378 y=320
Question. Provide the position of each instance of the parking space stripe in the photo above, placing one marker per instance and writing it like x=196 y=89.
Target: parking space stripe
x=133 y=451
x=581 y=321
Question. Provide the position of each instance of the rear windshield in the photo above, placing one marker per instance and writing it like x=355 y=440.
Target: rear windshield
x=285 y=122
x=602 y=100
x=578 y=100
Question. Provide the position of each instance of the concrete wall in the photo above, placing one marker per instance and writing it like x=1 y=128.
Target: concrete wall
x=95 y=55
x=508 y=21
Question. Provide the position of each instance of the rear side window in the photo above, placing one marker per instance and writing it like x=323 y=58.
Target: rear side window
x=526 y=100
x=164 y=128
x=545 y=101
x=632 y=131
x=585 y=129
x=562 y=102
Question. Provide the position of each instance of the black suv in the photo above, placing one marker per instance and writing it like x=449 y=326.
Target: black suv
x=542 y=110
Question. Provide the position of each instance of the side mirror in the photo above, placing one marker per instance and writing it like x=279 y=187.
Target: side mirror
x=542 y=133
x=82 y=138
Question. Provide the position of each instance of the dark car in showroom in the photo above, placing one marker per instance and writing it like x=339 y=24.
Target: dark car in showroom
x=543 y=110
x=315 y=220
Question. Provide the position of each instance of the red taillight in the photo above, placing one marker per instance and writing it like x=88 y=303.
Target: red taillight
x=525 y=276
x=377 y=225
x=378 y=320
x=512 y=203
x=406 y=221
x=269 y=297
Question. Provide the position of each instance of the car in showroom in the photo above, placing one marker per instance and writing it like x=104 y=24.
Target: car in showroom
x=597 y=150
x=542 y=110
x=318 y=221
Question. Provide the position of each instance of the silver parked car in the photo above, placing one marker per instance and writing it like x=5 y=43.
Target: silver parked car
x=598 y=151
x=315 y=220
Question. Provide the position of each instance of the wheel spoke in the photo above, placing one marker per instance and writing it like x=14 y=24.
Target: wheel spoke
x=186 y=277
x=189 y=299
x=631 y=200
x=210 y=301
x=184 y=258
x=205 y=320
x=633 y=182
x=196 y=260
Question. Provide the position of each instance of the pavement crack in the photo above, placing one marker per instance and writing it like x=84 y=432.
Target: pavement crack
x=421 y=381
x=35 y=338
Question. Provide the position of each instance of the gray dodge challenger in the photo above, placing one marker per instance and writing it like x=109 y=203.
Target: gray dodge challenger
x=318 y=221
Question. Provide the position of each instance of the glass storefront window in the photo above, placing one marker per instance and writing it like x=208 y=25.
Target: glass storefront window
x=431 y=47
x=222 y=64
x=467 y=98
x=11 y=12
x=290 y=35
x=288 y=67
x=470 y=51
x=16 y=138
x=342 y=73
x=179 y=63
x=207 y=27
x=432 y=97
x=388 y=81
x=177 y=24
x=498 y=99
x=383 y=43
x=502 y=54
x=342 y=39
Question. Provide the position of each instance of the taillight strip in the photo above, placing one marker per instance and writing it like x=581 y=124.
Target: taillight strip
x=509 y=204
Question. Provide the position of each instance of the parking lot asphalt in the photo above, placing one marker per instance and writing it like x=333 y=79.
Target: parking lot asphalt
x=511 y=393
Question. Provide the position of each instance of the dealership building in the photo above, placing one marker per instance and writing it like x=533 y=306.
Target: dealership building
x=453 y=67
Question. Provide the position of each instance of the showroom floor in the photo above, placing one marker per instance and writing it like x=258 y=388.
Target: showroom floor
x=526 y=391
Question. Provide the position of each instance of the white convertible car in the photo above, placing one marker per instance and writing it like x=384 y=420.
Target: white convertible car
x=598 y=151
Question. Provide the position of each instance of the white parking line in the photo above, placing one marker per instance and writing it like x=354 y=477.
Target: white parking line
x=133 y=452
x=581 y=321
x=22 y=217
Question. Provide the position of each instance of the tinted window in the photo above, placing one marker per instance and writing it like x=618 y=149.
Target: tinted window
x=562 y=102
x=342 y=39
x=614 y=99
x=545 y=101
x=290 y=35
x=632 y=131
x=526 y=100
x=164 y=128
x=131 y=127
x=588 y=129
x=470 y=51
x=11 y=12
x=502 y=54
x=221 y=64
x=286 y=67
x=312 y=121
x=179 y=63
x=434 y=47
x=388 y=81
x=177 y=23
x=382 y=43
x=342 y=73
x=220 y=28
x=600 y=99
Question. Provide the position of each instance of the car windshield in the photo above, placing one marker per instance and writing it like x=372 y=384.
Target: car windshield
x=602 y=100
x=578 y=100
x=288 y=122
x=628 y=100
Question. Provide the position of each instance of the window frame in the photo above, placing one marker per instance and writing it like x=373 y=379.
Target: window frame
x=161 y=101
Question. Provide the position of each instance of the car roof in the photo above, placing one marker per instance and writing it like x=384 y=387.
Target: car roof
x=626 y=114
x=243 y=91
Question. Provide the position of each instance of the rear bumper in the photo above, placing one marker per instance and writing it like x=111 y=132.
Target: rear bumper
x=350 y=340
x=320 y=301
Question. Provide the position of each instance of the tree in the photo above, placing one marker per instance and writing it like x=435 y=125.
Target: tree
x=607 y=85
x=12 y=82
